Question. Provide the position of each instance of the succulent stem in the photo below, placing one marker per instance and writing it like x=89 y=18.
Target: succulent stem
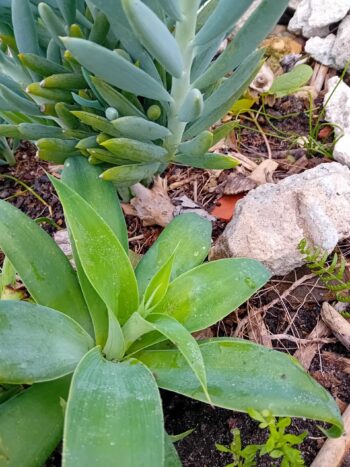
x=185 y=33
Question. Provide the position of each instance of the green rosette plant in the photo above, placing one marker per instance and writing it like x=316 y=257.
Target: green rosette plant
x=86 y=354
x=130 y=84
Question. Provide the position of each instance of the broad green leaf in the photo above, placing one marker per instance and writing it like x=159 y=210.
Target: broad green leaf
x=128 y=175
x=38 y=343
x=256 y=28
x=243 y=375
x=140 y=129
x=207 y=161
x=119 y=71
x=42 y=266
x=116 y=99
x=24 y=27
x=104 y=260
x=159 y=284
x=191 y=250
x=290 y=82
x=114 y=415
x=115 y=345
x=135 y=151
x=223 y=99
x=155 y=36
x=203 y=296
x=31 y=424
x=185 y=342
x=68 y=9
x=83 y=178
x=171 y=456
x=222 y=20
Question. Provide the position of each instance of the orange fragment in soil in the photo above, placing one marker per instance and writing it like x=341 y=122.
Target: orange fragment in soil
x=226 y=207
x=325 y=132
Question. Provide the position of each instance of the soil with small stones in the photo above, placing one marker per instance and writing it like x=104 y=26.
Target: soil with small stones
x=299 y=312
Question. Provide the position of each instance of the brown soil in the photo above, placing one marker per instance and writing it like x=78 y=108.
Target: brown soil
x=296 y=315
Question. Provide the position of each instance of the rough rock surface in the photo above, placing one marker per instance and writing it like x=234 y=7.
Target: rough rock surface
x=320 y=48
x=337 y=103
x=313 y=19
x=341 y=151
x=272 y=219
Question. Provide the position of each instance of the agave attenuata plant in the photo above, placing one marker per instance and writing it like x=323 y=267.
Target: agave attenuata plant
x=95 y=343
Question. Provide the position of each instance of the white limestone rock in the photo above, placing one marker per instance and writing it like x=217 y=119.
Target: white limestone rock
x=341 y=49
x=272 y=219
x=341 y=151
x=300 y=24
x=321 y=49
x=337 y=103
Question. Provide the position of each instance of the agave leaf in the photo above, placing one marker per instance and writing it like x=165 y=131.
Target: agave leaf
x=68 y=10
x=136 y=151
x=24 y=27
x=31 y=424
x=84 y=179
x=128 y=175
x=171 y=456
x=155 y=36
x=39 y=262
x=207 y=161
x=190 y=250
x=37 y=343
x=103 y=258
x=243 y=375
x=140 y=129
x=114 y=411
x=81 y=177
x=159 y=284
x=258 y=25
x=221 y=20
x=119 y=71
x=115 y=99
x=185 y=342
x=203 y=296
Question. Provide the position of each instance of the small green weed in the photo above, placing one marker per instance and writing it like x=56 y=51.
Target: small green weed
x=279 y=445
